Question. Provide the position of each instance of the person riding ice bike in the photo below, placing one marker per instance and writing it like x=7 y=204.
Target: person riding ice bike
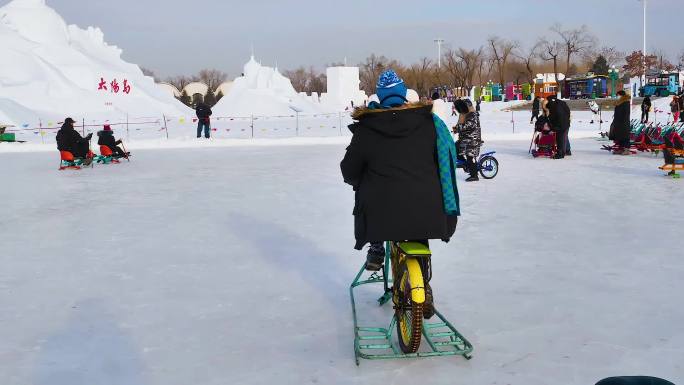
x=400 y=163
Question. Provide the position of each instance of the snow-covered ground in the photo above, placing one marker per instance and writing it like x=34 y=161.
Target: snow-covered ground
x=231 y=265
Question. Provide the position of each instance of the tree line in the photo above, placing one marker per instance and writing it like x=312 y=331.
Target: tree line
x=570 y=51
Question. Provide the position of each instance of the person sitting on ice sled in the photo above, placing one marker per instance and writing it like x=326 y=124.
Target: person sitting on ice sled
x=469 y=136
x=106 y=138
x=68 y=139
x=400 y=163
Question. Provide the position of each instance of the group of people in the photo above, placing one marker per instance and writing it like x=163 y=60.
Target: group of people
x=676 y=108
x=553 y=114
x=68 y=139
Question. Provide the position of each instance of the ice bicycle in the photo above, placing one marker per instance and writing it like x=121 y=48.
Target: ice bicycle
x=487 y=165
x=410 y=269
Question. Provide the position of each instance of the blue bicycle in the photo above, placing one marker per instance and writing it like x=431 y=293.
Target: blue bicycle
x=487 y=165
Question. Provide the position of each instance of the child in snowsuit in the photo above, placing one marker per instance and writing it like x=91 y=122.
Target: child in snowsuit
x=594 y=108
x=106 y=138
x=469 y=136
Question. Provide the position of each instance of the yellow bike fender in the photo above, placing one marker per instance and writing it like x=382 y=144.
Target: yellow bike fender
x=416 y=277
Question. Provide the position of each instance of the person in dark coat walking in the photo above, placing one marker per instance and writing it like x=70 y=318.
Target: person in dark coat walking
x=559 y=120
x=620 y=128
x=203 y=119
x=391 y=163
x=106 y=138
x=536 y=105
x=645 y=108
x=68 y=139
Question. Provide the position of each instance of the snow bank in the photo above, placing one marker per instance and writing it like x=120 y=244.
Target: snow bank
x=50 y=70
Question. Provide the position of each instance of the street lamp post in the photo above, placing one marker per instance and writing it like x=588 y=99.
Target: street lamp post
x=439 y=52
x=614 y=75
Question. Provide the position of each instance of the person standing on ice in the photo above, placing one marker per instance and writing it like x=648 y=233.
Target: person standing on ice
x=536 y=104
x=674 y=107
x=559 y=120
x=595 y=109
x=620 y=128
x=68 y=139
x=469 y=136
x=645 y=108
x=400 y=163
x=203 y=112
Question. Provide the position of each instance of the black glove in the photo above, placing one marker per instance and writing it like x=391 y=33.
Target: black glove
x=118 y=141
x=89 y=136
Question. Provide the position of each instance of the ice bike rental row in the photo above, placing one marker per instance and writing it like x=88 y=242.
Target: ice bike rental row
x=404 y=277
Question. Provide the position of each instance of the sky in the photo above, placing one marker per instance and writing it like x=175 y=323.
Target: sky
x=174 y=37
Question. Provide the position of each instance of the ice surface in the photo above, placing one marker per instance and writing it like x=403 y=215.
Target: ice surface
x=231 y=265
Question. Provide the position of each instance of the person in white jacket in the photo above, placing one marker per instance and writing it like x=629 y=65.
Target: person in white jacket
x=440 y=108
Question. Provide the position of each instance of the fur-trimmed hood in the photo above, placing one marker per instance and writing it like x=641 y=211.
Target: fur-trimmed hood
x=360 y=111
x=624 y=99
x=393 y=122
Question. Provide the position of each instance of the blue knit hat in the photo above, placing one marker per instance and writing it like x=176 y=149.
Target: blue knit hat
x=391 y=89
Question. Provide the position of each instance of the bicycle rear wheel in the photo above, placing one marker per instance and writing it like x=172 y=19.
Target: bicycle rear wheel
x=409 y=314
x=489 y=167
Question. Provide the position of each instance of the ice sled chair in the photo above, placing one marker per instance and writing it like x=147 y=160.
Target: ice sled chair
x=544 y=144
x=67 y=161
x=106 y=155
x=674 y=147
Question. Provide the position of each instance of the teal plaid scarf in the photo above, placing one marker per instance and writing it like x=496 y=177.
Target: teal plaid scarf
x=446 y=157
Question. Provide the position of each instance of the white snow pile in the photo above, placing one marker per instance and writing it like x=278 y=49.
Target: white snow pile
x=264 y=91
x=50 y=70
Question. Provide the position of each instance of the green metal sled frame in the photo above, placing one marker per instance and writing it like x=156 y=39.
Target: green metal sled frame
x=442 y=337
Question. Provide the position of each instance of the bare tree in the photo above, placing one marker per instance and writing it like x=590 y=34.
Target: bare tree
x=372 y=67
x=317 y=82
x=612 y=55
x=575 y=41
x=452 y=68
x=181 y=81
x=420 y=76
x=549 y=50
x=500 y=50
x=528 y=57
x=470 y=62
x=298 y=78
x=212 y=77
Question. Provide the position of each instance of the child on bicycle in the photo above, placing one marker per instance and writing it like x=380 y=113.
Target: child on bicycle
x=469 y=136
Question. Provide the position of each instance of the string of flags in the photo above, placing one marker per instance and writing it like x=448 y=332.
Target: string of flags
x=44 y=128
